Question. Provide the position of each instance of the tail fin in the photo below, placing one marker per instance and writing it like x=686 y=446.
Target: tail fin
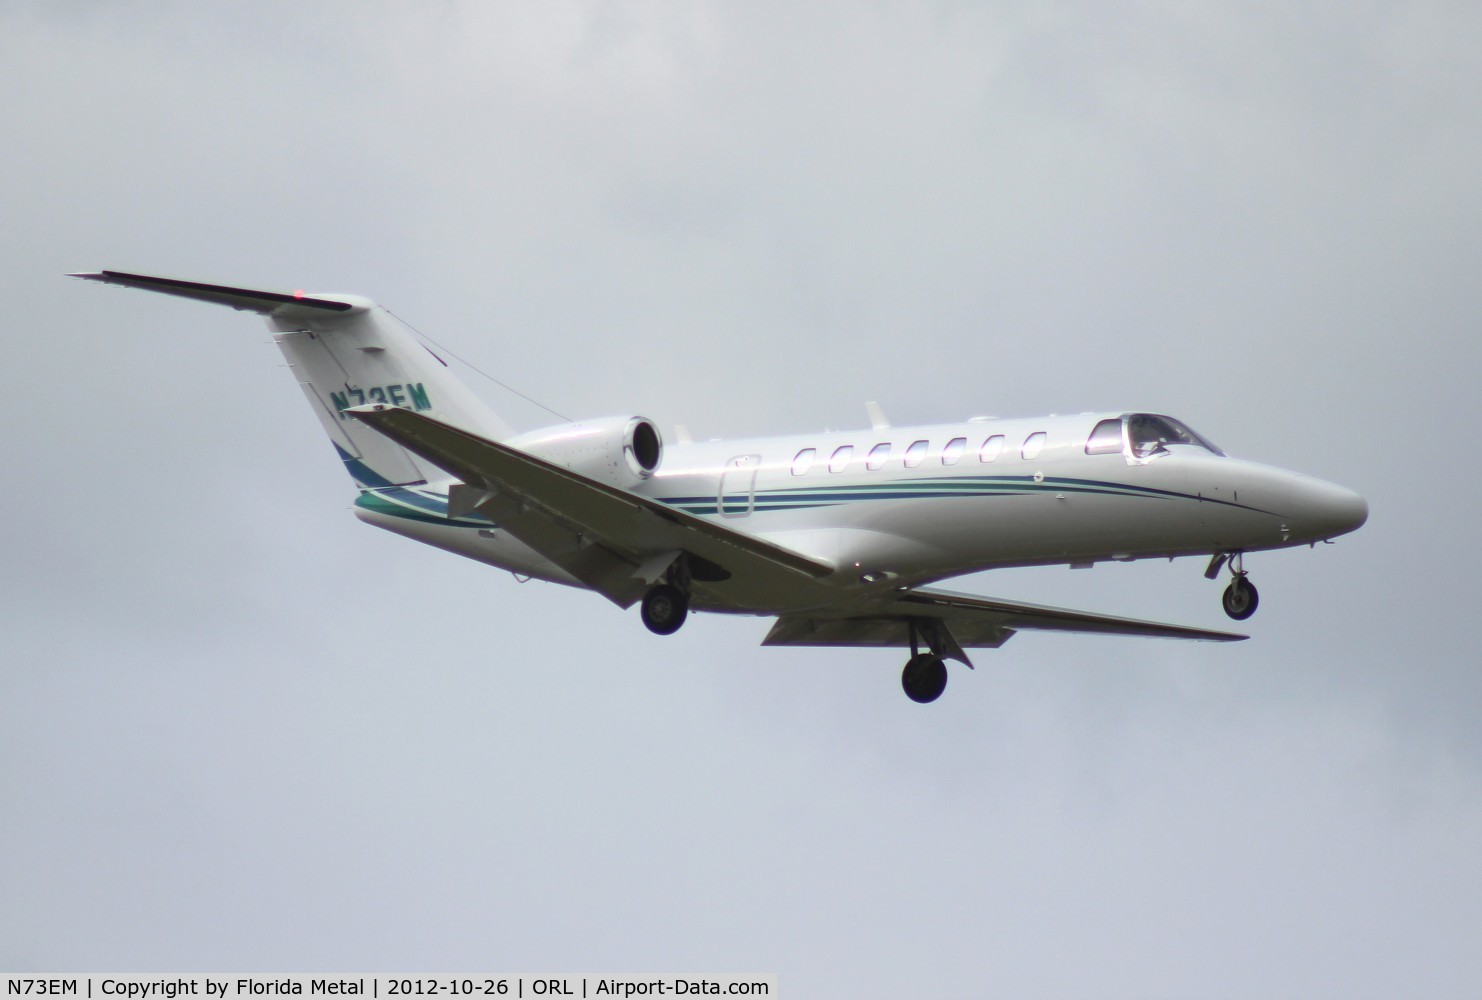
x=347 y=351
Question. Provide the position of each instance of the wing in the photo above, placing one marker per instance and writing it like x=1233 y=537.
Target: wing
x=968 y=621
x=981 y=612
x=614 y=541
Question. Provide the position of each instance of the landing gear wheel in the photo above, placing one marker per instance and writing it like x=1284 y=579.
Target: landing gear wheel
x=1240 y=599
x=925 y=678
x=664 y=609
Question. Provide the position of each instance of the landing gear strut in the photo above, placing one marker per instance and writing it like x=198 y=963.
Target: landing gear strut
x=1240 y=598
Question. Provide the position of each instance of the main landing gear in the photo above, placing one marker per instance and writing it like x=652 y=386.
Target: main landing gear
x=667 y=603
x=1241 y=598
x=665 y=608
x=925 y=676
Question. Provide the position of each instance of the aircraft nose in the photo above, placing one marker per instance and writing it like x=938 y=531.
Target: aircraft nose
x=1326 y=510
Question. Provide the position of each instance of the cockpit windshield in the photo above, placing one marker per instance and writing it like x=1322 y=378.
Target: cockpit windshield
x=1151 y=434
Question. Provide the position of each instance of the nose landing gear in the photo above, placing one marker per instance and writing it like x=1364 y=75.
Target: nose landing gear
x=1241 y=598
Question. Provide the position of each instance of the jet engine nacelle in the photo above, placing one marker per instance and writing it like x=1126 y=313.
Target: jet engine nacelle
x=620 y=451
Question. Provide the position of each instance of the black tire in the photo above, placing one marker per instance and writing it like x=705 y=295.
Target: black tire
x=1240 y=599
x=664 y=609
x=924 y=679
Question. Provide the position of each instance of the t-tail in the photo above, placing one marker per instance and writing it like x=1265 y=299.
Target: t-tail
x=346 y=351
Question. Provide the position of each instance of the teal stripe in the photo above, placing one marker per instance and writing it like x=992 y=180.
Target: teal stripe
x=414 y=506
x=801 y=497
x=432 y=508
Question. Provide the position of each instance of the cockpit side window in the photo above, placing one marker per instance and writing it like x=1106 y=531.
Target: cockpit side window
x=1151 y=434
x=1106 y=438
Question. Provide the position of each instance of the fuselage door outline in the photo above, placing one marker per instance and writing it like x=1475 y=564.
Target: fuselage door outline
x=737 y=494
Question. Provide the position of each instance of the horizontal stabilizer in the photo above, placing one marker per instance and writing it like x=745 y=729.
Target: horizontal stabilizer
x=246 y=299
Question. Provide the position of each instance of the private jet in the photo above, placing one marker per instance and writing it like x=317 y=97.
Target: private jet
x=837 y=536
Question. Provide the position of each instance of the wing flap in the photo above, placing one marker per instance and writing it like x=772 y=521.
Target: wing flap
x=871 y=631
x=607 y=572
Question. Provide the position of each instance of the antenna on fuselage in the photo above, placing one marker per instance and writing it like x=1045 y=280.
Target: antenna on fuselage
x=878 y=421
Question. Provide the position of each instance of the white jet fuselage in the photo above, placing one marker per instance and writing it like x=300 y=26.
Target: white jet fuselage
x=891 y=516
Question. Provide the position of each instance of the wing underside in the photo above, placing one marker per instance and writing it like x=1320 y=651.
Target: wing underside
x=974 y=622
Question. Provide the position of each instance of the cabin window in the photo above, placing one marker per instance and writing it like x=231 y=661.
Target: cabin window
x=1106 y=438
x=953 y=451
x=804 y=461
x=1033 y=444
x=840 y=458
x=991 y=448
x=916 y=454
x=878 y=456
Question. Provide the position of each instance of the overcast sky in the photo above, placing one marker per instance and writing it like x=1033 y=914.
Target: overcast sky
x=241 y=731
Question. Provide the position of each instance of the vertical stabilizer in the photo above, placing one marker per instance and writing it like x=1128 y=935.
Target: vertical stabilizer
x=367 y=357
